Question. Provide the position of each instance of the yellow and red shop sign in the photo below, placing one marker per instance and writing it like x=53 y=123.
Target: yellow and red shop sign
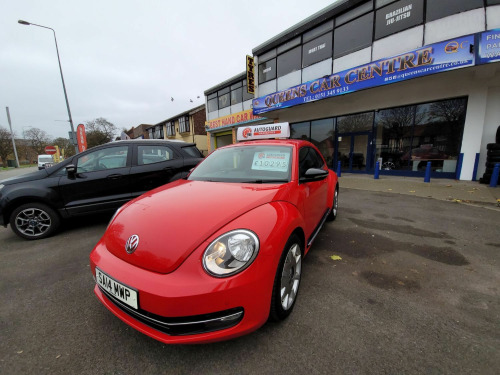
x=233 y=119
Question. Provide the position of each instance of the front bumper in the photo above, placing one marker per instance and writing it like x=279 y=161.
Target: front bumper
x=188 y=305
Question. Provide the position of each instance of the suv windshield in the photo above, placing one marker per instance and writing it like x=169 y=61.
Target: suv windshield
x=246 y=164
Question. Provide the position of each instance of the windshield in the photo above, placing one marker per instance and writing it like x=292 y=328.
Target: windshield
x=45 y=159
x=247 y=164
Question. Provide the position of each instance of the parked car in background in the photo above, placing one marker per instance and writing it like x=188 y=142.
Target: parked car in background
x=45 y=161
x=97 y=180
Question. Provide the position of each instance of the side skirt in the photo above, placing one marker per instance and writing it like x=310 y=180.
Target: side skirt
x=318 y=228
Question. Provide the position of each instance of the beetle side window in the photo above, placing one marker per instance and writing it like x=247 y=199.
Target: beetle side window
x=108 y=158
x=309 y=158
x=154 y=154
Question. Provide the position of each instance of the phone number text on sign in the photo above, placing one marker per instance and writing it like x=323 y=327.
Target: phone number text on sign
x=271 y=161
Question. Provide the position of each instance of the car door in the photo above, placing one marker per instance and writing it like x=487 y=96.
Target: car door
x=153 y=166
x=314 y=193
x=101 y=181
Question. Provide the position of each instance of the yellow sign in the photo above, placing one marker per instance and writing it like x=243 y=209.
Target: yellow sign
x=233 y=119
x=250 y=75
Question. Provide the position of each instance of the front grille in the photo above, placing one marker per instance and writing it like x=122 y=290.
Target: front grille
x=188 y=325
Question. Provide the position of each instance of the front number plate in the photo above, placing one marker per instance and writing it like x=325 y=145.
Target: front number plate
x=118 y=290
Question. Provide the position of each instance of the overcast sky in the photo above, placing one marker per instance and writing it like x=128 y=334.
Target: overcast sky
x=124 y=59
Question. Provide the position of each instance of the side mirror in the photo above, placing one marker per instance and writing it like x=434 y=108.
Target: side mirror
x=314 y=174
x=71 y=170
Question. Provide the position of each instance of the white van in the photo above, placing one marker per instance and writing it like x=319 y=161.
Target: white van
x=45 y=161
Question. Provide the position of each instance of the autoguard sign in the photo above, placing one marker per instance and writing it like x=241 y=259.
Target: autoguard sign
x=268 y=131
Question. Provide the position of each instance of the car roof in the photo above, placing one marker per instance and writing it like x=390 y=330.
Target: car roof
x=178 y=143
x=273 y=142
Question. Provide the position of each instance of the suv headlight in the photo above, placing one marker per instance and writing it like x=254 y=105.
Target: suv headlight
x=231 y=253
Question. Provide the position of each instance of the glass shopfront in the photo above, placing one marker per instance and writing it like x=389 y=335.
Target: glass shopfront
x=402 y=139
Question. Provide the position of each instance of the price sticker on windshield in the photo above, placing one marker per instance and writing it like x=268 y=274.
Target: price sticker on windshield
x=275 y=161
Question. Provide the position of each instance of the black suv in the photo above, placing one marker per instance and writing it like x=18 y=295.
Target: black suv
x=99 y=179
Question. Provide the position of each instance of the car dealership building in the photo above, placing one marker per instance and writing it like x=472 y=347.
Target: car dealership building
x=402 y=83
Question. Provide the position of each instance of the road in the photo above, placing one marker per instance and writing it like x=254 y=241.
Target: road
x=4 y=174
x=416 y=291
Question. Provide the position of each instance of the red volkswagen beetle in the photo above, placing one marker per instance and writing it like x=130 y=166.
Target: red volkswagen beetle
x=216 y=255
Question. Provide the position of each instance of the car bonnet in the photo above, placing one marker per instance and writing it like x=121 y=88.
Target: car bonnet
x=172 y=221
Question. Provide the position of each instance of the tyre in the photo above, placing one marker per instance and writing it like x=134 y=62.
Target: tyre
x=33 y=221
x=333 y=213
x=287 y=280
x=493 y=146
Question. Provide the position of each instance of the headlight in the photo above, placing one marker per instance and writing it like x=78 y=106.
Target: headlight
x=231 y=253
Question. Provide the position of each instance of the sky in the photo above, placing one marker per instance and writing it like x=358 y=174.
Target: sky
x=124 y=60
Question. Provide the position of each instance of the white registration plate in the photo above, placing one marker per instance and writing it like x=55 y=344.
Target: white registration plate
x=118 y=290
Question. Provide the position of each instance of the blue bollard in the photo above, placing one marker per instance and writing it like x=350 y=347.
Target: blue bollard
x=428 y=172
x=338 y=169
x=494 y=175
x=377 y=170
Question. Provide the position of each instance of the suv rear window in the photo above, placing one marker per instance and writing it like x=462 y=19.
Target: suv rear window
x=193 y=151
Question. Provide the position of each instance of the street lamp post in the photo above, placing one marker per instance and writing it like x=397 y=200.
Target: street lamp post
x=62 y=77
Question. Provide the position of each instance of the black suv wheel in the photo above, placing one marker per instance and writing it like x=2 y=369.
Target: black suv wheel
x=33 y=221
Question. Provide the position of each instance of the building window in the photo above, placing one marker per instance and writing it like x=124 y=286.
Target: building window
x=398 y=16
x=322 y=133
x=409 y=137
x=170 y=129
x=184 y=124
x=353 y=36
x=289 y=61
x=361 y=122
x=158 y=132
x=267 y=71
x=213 y=105
x=317 y=50
x=246 y=95
x=237 y=96
x=301 y=130
x=443 y=8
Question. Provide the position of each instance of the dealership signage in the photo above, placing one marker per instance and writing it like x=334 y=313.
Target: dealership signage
x=267 y=131
x=434 y=58
x=230 y=120
x=250 y=75
x=489 y=46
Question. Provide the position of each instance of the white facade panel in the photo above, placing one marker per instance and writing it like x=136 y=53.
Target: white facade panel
x=247 y=105
x=323 y=68
x=454 y=26
x=493 y=17
x=266 y=88
x=237 y=108
x=224 y=112
x=398 y=43
x=353 y=59
x=213 y=115
x=291 y=79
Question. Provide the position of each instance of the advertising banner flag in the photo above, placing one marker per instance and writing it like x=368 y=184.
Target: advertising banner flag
x=81 y=138
x=431 y=59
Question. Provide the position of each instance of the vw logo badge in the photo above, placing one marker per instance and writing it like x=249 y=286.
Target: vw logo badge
x=132 y=244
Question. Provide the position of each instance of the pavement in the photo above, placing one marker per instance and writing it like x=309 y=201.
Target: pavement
x=465 y=192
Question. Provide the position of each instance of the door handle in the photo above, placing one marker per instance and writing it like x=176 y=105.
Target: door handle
x=114 y=176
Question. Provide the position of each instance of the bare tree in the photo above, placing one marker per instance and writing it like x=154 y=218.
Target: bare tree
x=64 y=144
x=38 y=139
x=5 y=145
x=99 y=131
